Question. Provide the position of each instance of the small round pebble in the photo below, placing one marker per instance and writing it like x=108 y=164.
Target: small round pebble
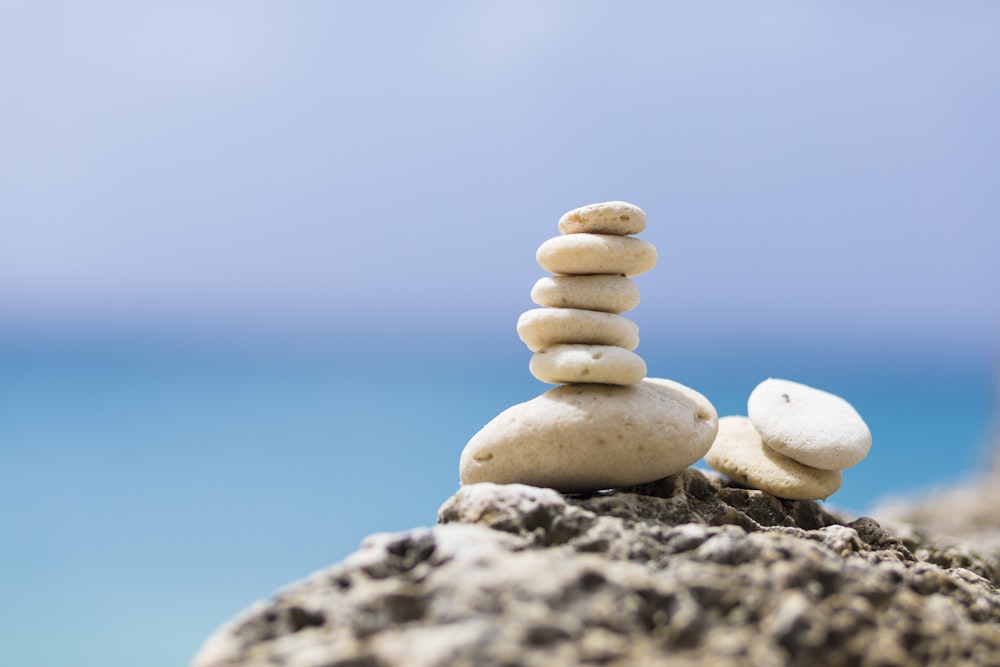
x=598 y=364
x=579 y=438
x=609 y=294
x=610 y=217
x=811 y=426
x=739 y=453
x=587 y=254
x=544 y=327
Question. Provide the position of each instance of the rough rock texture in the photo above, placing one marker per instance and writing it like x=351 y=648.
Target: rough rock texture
x=683 y=571
x=967 y=514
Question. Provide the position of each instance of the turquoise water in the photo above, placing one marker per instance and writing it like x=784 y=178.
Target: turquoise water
x=152 y=491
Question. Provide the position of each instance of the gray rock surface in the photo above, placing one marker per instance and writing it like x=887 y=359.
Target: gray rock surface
x=966 y=514
x=684 y=571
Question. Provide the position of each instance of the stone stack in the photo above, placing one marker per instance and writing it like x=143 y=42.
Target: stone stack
x=579 y=335
x=606 y=426
x=794 y=443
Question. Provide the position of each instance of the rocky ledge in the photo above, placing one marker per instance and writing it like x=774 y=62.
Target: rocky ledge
x=689 y=570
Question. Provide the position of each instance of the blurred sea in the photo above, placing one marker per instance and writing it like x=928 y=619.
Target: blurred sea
x=150 y=491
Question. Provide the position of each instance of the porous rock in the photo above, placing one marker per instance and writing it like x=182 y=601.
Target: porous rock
x=590 y=437
x=963 y=516
x=687 y=570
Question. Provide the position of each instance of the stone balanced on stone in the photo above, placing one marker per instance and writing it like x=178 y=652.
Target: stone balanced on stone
x=580 y=336
x=795 y=442
x=607 y=427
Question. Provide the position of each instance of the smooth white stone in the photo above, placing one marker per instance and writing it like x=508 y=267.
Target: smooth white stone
x=588 y=254
x=580 y=438
x=544 y=327
x=811 y=426
x=593 y=364
x=610 y=294
x=610 y=217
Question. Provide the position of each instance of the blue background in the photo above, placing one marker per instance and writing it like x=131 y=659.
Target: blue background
x=260 y=263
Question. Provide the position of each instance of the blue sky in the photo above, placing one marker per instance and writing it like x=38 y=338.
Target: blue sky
x=356 y=165
x=260 y=263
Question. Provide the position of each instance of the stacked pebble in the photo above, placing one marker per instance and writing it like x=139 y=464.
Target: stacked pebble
x=794 y=443
x=606 y=426
x=579 y=335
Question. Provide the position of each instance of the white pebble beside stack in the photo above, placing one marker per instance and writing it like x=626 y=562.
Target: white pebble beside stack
x=795 y=442
x=808 y=425
x=579 y=335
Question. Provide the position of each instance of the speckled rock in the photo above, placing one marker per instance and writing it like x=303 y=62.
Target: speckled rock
x=964 y=516
x=682 y=571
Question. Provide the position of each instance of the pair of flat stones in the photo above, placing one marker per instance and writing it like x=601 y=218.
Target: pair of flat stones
x=573 y=345
x=795 y=442
x=740 y=454
x=811 y=426
x=586 y=437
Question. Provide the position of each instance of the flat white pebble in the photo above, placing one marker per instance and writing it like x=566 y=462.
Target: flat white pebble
x=587 y=254
x=610 y=217
x=610 y=294
x=739 y=453
x=578 y=438
x=600 y=364
x=543 y=327
x=809 y=425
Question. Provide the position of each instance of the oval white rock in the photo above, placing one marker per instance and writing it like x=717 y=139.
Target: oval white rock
x=739 y=453
x=610 y=294
x=808 y=425
x=587 y=254
x=592 y=364
x=610 y=217
x=544 y=327
x=579 y=438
